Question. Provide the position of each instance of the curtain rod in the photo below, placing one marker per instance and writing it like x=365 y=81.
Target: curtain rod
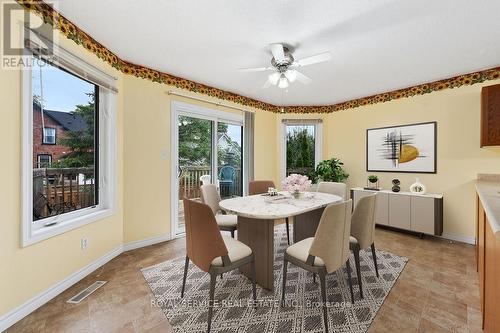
x=173 y=92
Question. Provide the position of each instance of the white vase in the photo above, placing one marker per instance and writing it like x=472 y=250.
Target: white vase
x=418 y=187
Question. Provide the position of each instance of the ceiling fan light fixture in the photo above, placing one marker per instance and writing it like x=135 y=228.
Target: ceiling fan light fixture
x=274 y=78
x=291 y=75
x=283 y=83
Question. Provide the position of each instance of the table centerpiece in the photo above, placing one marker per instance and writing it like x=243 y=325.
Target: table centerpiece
x=296 y=184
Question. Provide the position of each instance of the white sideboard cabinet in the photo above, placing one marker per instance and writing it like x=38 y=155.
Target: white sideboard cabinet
x=406 y=210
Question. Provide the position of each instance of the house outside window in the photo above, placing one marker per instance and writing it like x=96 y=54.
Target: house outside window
x=44 y=160
x=49 y=136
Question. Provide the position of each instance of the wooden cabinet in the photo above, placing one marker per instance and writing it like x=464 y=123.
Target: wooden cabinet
x=488 y=264
x=408 y=211
x=490 y=116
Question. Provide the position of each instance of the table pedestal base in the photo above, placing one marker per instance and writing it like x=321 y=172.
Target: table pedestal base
x=305 y=225
x=258 y=234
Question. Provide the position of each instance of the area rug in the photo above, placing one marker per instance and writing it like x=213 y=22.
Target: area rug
x=233 y=311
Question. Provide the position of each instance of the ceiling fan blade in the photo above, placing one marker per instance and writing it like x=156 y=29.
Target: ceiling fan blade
x=278 y=52
x=303 y=78
x=255 y=69
x=267 y=84
x=315 y=59
x=291 y=75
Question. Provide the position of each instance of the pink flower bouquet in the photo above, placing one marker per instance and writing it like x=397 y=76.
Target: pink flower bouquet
x=296 y=183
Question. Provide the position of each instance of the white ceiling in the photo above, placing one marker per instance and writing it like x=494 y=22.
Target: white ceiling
x=377 y=46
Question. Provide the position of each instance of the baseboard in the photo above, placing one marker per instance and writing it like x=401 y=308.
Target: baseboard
x=13 y=316
x=458 y=238
x=146 y=242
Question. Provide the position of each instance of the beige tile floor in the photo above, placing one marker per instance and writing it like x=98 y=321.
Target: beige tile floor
x=437 y=292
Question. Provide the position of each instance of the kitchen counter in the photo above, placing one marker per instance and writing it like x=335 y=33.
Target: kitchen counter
x=488 y=190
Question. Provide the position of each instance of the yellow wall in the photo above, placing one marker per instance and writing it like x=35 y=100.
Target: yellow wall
x=26 y=272
x=459 y=158
x=147 y=175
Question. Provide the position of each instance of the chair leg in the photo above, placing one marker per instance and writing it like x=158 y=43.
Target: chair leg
x=254 y=289
x=186 y=266
x=323 y=298
x=211 y=300
x=374 y=255
x=358 y=269
x=349 y=280
x=283 y=287
x=287 y=230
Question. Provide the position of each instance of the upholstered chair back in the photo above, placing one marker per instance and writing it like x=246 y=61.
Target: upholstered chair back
x=259 y=186
x=210 y=196
x=331 y=242
x=363 y=221
x=339 y=189
x=203 y=239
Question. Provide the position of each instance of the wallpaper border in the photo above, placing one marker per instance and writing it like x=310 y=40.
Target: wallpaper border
x=80 y=37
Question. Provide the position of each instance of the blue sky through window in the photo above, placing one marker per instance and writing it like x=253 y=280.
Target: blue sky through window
x=61 y=90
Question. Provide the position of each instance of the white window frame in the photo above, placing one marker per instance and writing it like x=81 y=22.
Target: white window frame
x=318 y=142
x=34 y=232
x=44 y=141
x=190 y=110
x=40 y=155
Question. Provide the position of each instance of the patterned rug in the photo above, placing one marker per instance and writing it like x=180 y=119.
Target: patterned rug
x=302 y=313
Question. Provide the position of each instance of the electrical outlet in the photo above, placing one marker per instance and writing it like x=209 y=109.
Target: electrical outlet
x=84 y=243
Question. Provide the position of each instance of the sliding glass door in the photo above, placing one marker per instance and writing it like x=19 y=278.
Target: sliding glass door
x=229 y=159
x=207 y=148
x=194 y=159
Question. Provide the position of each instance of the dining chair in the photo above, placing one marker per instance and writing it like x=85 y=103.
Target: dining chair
x=205 y=179
x=261 y=187
x=326 y=252
x=211 y=197
x=335 y=188
x=363 y=232
x=210 y=251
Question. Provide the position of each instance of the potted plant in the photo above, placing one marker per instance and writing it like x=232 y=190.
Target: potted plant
x=330 y=171
x=372 y=182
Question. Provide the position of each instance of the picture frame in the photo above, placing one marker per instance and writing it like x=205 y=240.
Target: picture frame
x=410 y=148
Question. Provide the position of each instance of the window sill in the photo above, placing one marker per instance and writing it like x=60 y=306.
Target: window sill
x=65 y=225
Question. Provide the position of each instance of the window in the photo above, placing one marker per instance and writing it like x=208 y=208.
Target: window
x=301 y=146
x=70 y=184
x=44 y=160
x=70 y=181
x=49 y=136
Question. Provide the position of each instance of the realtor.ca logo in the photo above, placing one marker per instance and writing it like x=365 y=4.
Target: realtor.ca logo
x=23 y=35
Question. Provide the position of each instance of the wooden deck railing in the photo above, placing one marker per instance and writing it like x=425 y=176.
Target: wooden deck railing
x=61 y=190
x=189 y=181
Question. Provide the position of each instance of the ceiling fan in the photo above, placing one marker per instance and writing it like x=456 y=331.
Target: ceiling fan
x=284 y=66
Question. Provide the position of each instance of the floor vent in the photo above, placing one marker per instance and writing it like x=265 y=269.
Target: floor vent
x=86 y=292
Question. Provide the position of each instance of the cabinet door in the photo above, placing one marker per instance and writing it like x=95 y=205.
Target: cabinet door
x=491 y=280
x=382 y=209
x=358 y=194
x=480 y=252
x=399 y=211
x=422 y=214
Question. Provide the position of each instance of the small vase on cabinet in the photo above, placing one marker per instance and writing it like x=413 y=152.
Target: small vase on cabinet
x=418 y=187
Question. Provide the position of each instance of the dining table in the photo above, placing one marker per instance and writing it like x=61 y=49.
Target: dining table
x=256 y=220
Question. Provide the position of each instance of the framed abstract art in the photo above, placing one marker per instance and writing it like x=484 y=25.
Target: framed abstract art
x=404 y=148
